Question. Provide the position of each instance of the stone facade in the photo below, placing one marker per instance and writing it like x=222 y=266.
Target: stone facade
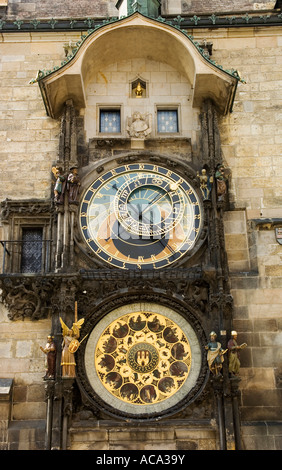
x=251 y=149
x=43 y=9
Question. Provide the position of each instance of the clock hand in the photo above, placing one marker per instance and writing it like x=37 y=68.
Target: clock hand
x=166 y=246
x=139 y=213
x=172 y=187
x=152 y=203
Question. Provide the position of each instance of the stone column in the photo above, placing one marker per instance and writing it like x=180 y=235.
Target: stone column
x=49 y=393
x=67 y=409
x=235 y=394
x=218 y=388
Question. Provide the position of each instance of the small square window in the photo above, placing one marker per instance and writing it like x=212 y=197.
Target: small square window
x=110 y=121
x=167 y=120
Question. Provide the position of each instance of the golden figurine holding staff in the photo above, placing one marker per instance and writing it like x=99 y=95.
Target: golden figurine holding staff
x=70 y=345
x=215 y=354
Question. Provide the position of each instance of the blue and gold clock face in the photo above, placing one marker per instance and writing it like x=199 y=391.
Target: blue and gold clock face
x=140 y=216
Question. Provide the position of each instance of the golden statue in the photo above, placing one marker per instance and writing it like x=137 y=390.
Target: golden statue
x=234 y=354
x=70 y=345
x=139 y=90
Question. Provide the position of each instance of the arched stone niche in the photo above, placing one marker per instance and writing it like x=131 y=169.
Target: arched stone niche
x=137 y=37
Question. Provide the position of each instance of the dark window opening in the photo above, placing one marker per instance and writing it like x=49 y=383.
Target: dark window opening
x=31 y=259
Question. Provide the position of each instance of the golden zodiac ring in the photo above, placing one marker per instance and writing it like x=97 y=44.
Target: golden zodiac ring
x=143 y=358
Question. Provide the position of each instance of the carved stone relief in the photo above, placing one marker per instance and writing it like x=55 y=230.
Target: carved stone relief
x=27 y=298
x=139 y=126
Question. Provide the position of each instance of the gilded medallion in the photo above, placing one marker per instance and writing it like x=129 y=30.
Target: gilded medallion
x=143 y=358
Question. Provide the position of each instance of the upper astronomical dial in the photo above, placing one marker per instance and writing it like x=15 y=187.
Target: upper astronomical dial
x=149 y=205
x=140 y=216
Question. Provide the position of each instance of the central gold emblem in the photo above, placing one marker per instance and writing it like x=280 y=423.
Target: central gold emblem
x=143 y=358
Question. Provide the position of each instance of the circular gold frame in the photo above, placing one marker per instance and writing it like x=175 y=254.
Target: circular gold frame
x=143 y=358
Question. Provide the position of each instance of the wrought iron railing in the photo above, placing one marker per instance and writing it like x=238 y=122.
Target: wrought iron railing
x=20 y=256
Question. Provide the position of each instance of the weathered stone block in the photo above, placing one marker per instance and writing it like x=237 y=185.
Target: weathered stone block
x=187 y=445
x=25 y=410
x=89 y=436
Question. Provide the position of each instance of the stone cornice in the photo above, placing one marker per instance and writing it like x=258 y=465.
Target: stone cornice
x=213 y=20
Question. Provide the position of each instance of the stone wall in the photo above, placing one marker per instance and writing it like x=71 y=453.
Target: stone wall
x=251 y=140
x=83 y=8
x=217 y=6
x=60 y=9
x=166 y=87
x=24 y=362
x=29 y=139
x=95 y=435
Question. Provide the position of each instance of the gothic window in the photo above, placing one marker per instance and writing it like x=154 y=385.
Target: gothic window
x=27 y=246
x=110 y=121
x=167 y=121
x=31 y=257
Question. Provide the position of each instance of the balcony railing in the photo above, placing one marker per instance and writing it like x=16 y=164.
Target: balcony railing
x=20 y=256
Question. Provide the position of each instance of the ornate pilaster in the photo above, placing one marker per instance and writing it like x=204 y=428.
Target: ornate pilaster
x=67 y=181
x=68 y=138
x=49 y=396
x=235 y=396
x=218 y=388
x=67 y=386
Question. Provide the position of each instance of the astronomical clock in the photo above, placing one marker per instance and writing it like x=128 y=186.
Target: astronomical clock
x=143 y=356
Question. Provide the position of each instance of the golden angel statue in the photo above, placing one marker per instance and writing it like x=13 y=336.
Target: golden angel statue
x=70 y=345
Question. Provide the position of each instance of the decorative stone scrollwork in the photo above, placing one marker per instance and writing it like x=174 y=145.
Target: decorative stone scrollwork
x=27 y=298
x=21 y=208
x=194 y=292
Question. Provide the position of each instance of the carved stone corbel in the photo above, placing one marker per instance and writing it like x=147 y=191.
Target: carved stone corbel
x=26 y=297
x=65 y=295
x=221 y=302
